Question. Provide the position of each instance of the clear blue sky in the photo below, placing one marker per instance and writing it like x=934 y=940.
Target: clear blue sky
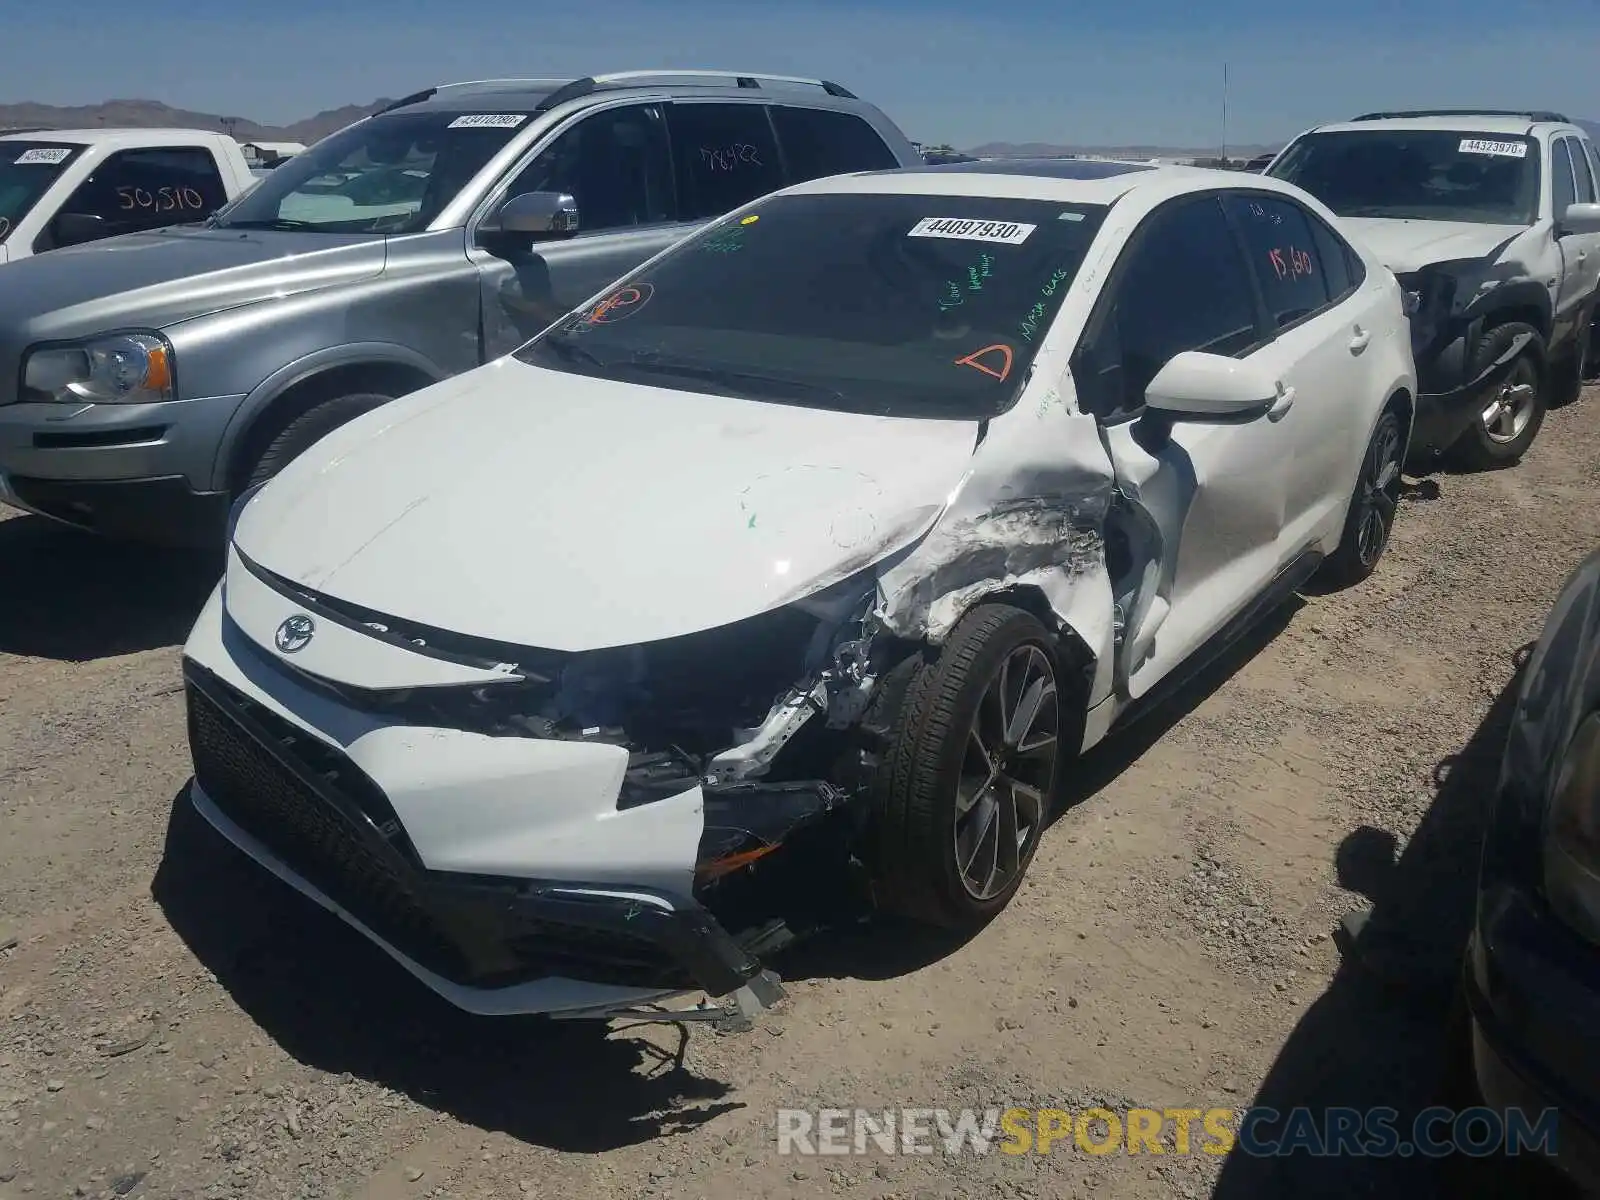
x=1027 y=70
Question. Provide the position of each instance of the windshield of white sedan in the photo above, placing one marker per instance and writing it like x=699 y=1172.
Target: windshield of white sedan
x=1421 y=175
x=897 y=305
x=391 y=174
x=27 y=169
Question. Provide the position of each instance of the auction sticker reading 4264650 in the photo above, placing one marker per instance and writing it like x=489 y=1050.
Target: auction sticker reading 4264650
x=1009 y=233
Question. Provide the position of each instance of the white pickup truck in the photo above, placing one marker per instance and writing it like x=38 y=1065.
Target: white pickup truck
x=64 y=187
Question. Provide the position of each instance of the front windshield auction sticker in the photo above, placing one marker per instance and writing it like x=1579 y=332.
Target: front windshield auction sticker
x=1007 y=233
x=1497 y=149
x=488 y=121
x=43 y=154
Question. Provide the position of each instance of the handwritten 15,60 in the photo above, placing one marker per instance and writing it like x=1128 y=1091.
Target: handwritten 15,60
x=167 y=199
x=728 y=158
x=1291 y=263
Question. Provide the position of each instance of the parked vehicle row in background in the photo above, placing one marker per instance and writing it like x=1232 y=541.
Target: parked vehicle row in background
x=161 y=376
x=67 y=187
x=1491 y=222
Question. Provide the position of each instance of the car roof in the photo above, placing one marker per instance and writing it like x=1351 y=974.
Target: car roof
x=1464 y=122
x=529 y=95
x=1070 y=180
x=88 y=137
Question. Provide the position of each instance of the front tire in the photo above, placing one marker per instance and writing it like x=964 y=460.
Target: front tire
x=964 y=791
x=310 y=427
x=1510 y=417
x=1574 y=368
x=1370 y=519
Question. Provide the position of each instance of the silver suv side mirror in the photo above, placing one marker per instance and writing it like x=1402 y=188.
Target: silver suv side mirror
x=1580 y=218
x=534 y=214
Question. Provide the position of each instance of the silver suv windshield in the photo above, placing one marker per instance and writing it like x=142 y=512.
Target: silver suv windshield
x=1422 y=175
x=27 y=169
x=390 y=174
x=897 y=305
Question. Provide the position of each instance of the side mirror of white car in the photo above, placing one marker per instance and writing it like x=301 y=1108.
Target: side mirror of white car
x=1196 y=386
x=1581 y=218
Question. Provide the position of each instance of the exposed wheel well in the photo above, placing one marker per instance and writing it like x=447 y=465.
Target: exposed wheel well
x=1075 y=659
x=1403 y=404
x=388 y=379
x=1526 y=314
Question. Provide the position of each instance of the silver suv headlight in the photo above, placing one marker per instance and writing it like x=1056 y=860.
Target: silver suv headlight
x=1572 y=833
x=122 y=368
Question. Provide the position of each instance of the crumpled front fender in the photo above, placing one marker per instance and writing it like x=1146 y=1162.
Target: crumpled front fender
x=1029 y=514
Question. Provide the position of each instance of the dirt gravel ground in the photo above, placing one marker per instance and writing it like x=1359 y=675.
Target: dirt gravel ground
x=173 y=1024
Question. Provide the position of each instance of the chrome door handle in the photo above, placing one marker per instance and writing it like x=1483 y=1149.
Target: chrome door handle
x=1359 y=340
x=1282 y=404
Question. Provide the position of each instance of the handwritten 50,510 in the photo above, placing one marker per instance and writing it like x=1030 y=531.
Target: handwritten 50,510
x=167 y=199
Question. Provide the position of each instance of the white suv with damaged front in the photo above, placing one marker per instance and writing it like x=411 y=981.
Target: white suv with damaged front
x=785 y=580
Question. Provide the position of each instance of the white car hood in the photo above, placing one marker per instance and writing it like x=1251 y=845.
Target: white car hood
x=1405 y=245
x=559 y=511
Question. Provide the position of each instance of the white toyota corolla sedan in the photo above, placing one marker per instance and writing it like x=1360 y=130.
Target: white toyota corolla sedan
x=788 y=577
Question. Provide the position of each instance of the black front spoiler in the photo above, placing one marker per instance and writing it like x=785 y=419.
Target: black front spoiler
x=1444 y=413
x=324 y=820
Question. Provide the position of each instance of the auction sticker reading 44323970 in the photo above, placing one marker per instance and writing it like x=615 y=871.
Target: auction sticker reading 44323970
x=1008 y=233
x=1494 y=149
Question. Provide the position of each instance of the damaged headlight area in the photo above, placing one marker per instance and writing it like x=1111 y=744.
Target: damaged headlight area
x=764 y=715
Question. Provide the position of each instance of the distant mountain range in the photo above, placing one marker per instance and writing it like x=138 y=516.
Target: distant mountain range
x=149 y=113
x=146 y=114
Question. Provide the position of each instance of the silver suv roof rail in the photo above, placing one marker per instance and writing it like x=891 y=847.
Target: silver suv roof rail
x=743 y=79
x=1525 y=114
x=529 y=84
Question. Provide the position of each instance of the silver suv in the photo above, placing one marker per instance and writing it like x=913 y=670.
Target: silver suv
x=146 y=380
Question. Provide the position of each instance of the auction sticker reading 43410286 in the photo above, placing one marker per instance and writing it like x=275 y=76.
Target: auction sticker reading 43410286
x=1497 y=149
x=489 y=121
x=1008 y=233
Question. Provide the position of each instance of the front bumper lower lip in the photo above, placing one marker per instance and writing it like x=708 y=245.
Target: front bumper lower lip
x=163 y=510
x=493 y=944
x=1443 y=412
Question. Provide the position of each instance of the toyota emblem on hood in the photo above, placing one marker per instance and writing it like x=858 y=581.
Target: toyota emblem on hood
x=294 y=633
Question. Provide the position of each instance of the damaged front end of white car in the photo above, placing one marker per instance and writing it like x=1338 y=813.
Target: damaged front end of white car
x=573 y=722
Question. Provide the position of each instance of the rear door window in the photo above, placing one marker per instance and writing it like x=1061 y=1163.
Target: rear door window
x=725 y=155
x=1565 y=184
x=1334 y=257
x=818 y=142
x=1283 y=254
x=1580 y=171
x=151 y=188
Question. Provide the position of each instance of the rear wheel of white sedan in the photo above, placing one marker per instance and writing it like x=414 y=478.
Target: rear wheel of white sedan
x=965 y=788
x=1370 y=519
